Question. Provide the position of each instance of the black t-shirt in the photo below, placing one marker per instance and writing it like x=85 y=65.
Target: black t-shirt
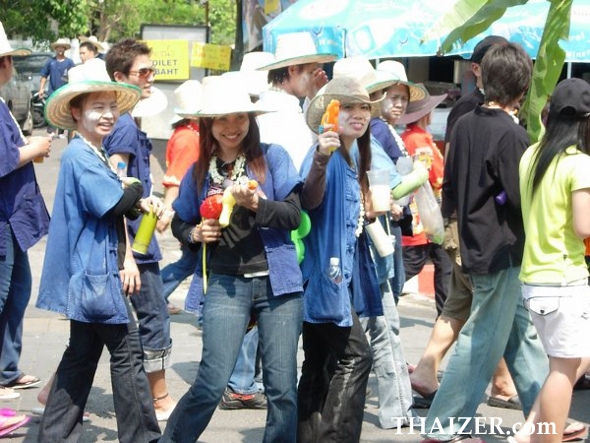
x=465 y=104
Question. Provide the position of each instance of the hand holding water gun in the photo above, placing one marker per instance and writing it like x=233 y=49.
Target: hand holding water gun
x=330 y=117
x=329 y=140
x=241 y=194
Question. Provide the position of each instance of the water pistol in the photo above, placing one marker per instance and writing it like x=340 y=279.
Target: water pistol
x=211 y=206
x=331 y=116
x=228 y=202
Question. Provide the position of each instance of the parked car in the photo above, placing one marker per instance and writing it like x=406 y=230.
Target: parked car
x=30 y=67
x=17 y=95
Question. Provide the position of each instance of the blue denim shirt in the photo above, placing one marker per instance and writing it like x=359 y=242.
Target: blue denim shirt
x=127 y=138
x=57 y=72
x=281 y=179
x=21 y=205
x=80 y=277
x=333 y=226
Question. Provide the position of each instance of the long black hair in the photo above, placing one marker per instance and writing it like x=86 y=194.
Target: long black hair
x=562 y=131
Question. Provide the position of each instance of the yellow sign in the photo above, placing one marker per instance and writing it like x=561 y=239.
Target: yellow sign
x=170 y=59
x=209 y=56
x=270 y=6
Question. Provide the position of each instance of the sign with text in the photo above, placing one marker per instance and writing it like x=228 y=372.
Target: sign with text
x=216 y=57
x=170 y=59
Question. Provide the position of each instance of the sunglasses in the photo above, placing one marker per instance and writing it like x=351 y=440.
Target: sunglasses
x=143 y=72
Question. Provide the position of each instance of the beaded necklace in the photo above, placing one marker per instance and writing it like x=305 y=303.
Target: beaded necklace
x=236 y=171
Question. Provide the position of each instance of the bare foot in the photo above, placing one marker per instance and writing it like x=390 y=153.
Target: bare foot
x=423 y=383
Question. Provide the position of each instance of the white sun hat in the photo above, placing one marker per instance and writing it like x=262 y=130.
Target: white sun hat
x=93 y=40
x=152 y=105
x=254 y=80
x=361 y=68
x=83 y=79
x=397 y=69
x=189 y=100
x=65 y=42
x=222 y=95
x=296 y=48
x=5 y=48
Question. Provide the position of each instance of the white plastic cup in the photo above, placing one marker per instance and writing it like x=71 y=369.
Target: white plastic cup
x=380 y=192
x=382 y=241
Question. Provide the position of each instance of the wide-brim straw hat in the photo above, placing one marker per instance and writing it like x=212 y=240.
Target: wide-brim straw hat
x=189 y=100
x=361 y=68
x=296 y=48
x=398 y=70
x=6 y=49
x=93 y=40
x=222 y=95
x=61 y=42
x=418 y=109
x=347 y=90
x=84 y=79
x=152 y=105
x=255 y=81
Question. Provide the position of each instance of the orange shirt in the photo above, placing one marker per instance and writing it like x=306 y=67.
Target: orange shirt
x=419 y=143
x=182 y=150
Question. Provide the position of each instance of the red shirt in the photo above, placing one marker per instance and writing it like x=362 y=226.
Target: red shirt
x=182 y=151
x=419 y=143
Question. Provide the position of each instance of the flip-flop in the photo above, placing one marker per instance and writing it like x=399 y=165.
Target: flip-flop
x=8 y=429
x=424 y=401
x=17 y=384
x=511 y=403
x=583 y=383
x=574 y=435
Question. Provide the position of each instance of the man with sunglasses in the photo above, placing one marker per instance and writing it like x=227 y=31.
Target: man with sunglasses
x=128 y=61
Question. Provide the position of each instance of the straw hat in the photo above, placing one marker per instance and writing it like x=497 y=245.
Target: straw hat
x=222 y=95
x=397 y=69
x=189 y=100
x=344 y=89
x=418 y=109
x=83 y=79
x=360 y=68
x=255 y=81
x=61 y=42
x=92 y=39
x=152 y=105
x=5 y=48
x=296 y=48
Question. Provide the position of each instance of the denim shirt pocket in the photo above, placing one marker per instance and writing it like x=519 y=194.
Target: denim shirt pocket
x=284 y=271
x=98 y=299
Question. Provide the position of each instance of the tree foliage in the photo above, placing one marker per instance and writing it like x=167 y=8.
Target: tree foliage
x=112 y=20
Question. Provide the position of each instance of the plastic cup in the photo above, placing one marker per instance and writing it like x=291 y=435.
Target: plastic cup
x=39 y=159
x=380 y=192
x=145 y=232
x=382 y=241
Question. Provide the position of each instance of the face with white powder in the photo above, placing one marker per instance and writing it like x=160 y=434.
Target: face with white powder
x=95 y=114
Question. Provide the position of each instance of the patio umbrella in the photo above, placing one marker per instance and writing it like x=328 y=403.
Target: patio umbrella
x=394 y=28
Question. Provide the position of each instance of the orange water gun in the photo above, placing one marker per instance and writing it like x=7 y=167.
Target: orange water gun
x=331 y=116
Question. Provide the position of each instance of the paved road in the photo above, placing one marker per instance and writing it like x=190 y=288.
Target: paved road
x=46 y=334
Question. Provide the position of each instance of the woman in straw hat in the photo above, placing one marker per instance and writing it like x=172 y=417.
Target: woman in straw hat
x=85 y=250
x=333 y=338
x=252 y=263
x=23 y=222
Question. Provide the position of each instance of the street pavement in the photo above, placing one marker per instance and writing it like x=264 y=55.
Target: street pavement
x=46 y=335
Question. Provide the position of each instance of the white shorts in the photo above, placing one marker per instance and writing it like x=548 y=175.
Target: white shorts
x=561 y=315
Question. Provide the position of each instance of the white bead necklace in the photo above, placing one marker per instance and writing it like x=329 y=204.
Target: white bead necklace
x=237 y=170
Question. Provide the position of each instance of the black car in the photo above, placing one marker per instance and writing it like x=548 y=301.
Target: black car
x=30 y=67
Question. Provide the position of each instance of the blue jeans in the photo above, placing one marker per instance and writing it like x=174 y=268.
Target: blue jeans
x=15 y=292
x=153 y=317
x=228 y=305
x=175 y=273
x=498 y=325
x=242 y=380
x=389 y=364
x=136 y=419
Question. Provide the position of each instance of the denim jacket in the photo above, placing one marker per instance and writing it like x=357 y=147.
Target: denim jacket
x=80 y=276
x=333 y=226
x=281 y=179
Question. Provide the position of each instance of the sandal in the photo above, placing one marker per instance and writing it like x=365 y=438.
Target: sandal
x=9 y=424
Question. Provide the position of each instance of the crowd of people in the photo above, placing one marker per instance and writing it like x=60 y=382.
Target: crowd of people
x=253 y=158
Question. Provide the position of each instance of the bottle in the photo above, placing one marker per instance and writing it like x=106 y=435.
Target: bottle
x=334 y=272
x=121 y=169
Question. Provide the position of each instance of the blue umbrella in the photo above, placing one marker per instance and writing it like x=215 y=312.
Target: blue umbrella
x=394 y=28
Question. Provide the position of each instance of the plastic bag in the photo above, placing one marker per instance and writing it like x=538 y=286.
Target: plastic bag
x=430 y=215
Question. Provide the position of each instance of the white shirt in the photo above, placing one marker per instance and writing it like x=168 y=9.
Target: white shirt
x=287 y=126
